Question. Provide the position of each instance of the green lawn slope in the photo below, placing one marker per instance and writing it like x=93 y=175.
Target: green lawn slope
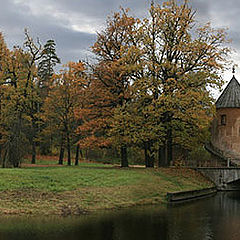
x=88 y=187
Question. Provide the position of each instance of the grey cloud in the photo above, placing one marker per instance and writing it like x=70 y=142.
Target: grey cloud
x=100 y=8
x=74 y=45
x=71 y=45
x=202 y=8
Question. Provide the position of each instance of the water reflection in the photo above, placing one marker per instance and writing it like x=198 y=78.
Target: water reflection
x=213 y=218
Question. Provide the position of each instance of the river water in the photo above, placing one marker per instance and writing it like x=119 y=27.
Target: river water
x=216 y=217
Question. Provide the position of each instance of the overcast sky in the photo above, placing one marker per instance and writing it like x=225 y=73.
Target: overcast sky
x=73 y=23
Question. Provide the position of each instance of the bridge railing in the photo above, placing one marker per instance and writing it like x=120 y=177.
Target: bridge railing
x=228 y=161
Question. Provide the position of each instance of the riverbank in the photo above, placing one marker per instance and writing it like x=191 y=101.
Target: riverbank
x=52 y=190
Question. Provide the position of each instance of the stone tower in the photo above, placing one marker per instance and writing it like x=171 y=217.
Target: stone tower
x=226 y=126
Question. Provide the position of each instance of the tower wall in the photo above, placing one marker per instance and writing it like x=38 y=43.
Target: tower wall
x=226 y=131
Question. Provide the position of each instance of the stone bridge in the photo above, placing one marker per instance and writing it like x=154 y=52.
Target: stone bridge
x=224 y=178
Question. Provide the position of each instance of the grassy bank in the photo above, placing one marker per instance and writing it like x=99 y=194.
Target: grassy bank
x=73 y=190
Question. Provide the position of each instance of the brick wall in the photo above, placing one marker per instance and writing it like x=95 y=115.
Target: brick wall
x=226 y=131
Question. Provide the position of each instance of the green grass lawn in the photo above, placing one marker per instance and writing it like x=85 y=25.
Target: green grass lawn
x=90 y=186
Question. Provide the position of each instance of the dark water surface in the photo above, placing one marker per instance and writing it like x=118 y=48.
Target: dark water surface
x=217 y=218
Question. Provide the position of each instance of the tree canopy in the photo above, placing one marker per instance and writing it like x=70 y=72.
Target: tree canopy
x=149 y=87
x=161 y=68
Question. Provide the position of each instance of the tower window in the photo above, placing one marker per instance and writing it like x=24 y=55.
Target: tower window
x=223 y=119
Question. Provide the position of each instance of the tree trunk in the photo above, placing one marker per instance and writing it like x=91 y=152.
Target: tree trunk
x=1 y=147
x=77 y=155
x=61 y=155
x=169 y=147
x=87 y=154
x=33 y=152
x=1 y=158
x=33 y=137
x=81 y=153
x=4 y=159
x=124 y=159
x=149 y=156
x=68 y=150
x=162 y=156
x=15 y=151
x=146 y=155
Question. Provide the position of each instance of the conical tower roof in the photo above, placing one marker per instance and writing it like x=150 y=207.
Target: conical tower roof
x=230 y=97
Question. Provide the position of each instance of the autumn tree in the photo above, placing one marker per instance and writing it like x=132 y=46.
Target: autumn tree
x=179 y=62
x=61 y=104
x=16 y=82
x=4 y=52
x=44 y=59
x=20 y=99
x=110 y=80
